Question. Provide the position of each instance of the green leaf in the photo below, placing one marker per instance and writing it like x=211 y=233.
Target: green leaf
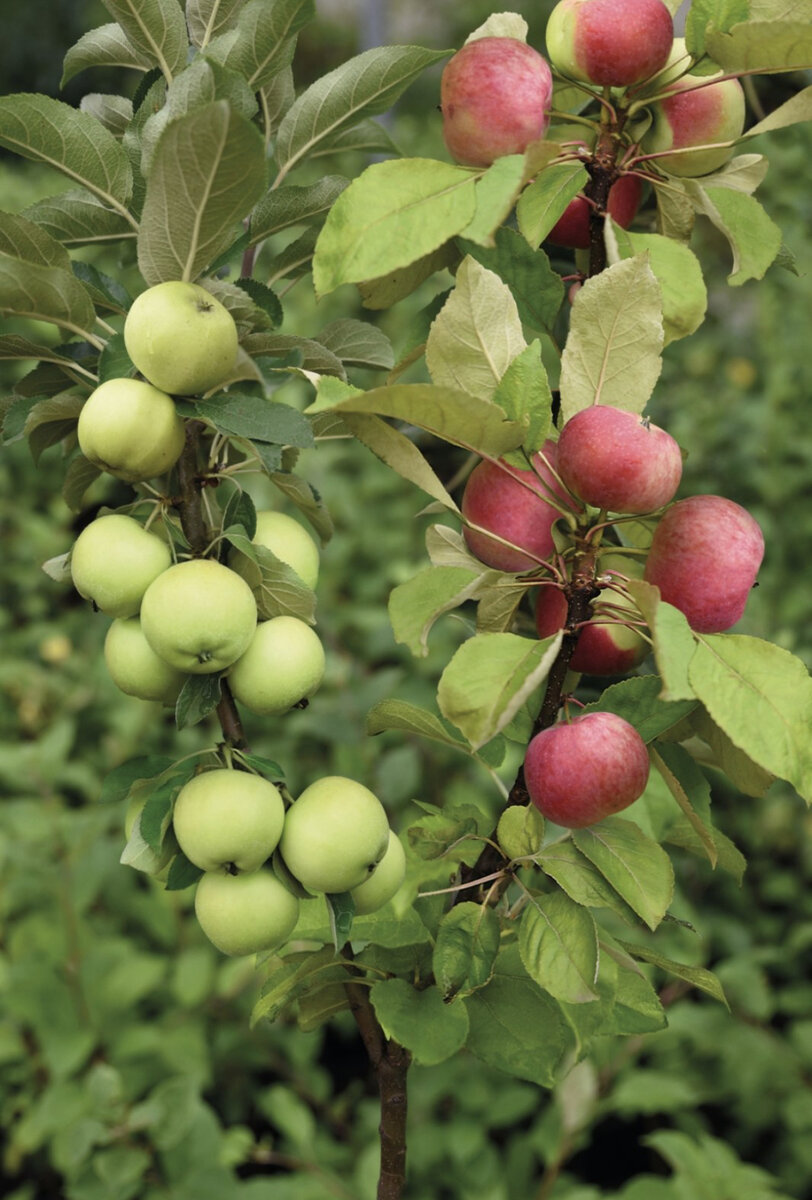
x=489 y=679
x=582 y=882
x=520 y=831
x=78 y=478
x=536 y=288
x=398 y=452
x=638 y=702
x=721 y=14
x=52 y=419
x=793 y=111
x=465 y=949
x=198 y=697
x=307 y=500
x=673 y=639
x=295 y=975
x=558 y=942
x=447 y=833
x=367 y=85
x=182 y=873
x=409 y=718
x=264 y=766
x=45 y=294
x=690 y=789
x=698 y=977
x=263 y=39
x=677 y=270
x=105 y=46
x=279 y=591
x=760 y=695
x=77 y=218
x=476 y=335
x=544 y=201
x=762 y=46
x=357 y=343
x=386 y=290
x=524 y=393
x=13 y=347
x=113 y=112
x=635 y=866
x=496 y=193
x=287 y=206
x=254 y=417
x=156 y=814
x=419 y=1020
x=394 y=213
x=157 y=30
x=414 y=606
x=740 y=769
x=24 y=239
x=754 y=238
x=613 y=350
x=117 y=784
x=106 y=293
x=207 y=172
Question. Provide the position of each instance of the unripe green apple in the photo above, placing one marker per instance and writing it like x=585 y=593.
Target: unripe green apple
x=134 y=666
x=695 y=113
x=246 y=913
x=288 y=540
x=225 y=817
x=180 y=338
x=613 y=43
x=384 y=880
x=130 y=429
x=113 y=562
x=335 y=835
x=283 y=664
x=198 y=616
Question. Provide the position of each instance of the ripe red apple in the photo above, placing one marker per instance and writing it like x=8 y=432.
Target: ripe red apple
x=495 y=98
x=591 y=768
x=696 y=115
x=618 y=460
x=603 y=648
x=704 y=558
x=572 y=227
x=609 y=42
x=512 y=503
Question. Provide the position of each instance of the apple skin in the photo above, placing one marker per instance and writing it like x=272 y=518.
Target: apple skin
x=579 y=773
x=694 y=115
x=495 y=98
x=113 y=562
x=384 y=880
x=198 y=616
x=283 y=664
x=134 y=666
x=225 y=817
x=572 y=227
x=246 y=913
x=602 y=649
x=495 y=499
x=131 y=430
x=618 y=460
x=612 y=43
x=288 y=540
x=180 y=338
x=704 y=558
x=335 y=835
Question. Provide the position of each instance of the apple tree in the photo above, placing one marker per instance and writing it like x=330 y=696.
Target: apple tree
x=507 y=926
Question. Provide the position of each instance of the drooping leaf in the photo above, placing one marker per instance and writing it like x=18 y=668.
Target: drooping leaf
x=49 y=294
x=105 y=46
x=284 y=207
x=537 y=289
x=77 y=218
x=754 y=238
x=496 y=193
x=198 y=697
x=419 y=1020
x=638 y=702
x=414 y=606
x=762 y=46
x=679 y=274
x=558 y=943
x=357 y=343
x=524 y=393
x=581 y=880
x=673 y=639
x=690 y=789
x=465 y=949
x=544 y=201
x=635 y=866
x=698 y=977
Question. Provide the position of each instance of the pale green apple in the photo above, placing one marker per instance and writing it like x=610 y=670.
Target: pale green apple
x=225 y=817
x=131 y=430
x=134 y=666
x=335 y=835
x=246 y=913
x=288 y=540
x=180 y=338
x=283 y=664
x=384 y=880
x=199 y=616
x=113 y=562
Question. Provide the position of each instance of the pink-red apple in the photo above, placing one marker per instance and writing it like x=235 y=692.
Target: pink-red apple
x=618 y=460
x=495 y=98
x=704 y=558
x=695 y=113
x=609 y=42
x=572 y=227
x=580 y=772
x=513 y=504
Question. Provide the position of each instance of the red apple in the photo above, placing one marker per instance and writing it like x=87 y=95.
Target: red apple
x=704 y=558
x=495 y=98
x=512 y=503
x=618 y=460
x=572 y=227
x=609 y=42
x=579 y=773
x=696 y=113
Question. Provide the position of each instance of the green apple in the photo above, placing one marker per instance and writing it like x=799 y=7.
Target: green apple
x=198 y=616
x=288 y=540
x=113 y=562
x=384 y=881
x=335 y=835
x=130 y=429
x=134 y=666
x=180 y=338
x=224 y=818
x=283 y=664
x=246 y=913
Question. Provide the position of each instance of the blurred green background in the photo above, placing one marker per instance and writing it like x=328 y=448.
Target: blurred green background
x=127 y=1068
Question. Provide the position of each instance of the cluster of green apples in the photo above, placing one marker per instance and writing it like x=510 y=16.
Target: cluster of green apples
x=335 y=838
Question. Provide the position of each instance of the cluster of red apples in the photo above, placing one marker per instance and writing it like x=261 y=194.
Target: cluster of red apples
x=608 y=466
x=496 y=96
x=173 y=620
